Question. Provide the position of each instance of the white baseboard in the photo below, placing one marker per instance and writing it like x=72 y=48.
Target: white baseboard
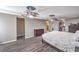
x=7 y=41
x=29 y=37
x=13 y=40
x=20 y=35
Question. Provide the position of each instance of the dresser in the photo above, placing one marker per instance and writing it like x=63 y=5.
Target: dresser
x=38 y=32
x=73 y=27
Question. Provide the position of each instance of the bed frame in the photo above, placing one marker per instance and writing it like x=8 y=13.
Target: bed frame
x=44 y=42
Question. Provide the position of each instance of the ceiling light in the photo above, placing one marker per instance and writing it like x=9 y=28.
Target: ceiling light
x=30 y=16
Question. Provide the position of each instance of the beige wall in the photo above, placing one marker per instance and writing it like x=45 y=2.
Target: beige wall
x=7 y=27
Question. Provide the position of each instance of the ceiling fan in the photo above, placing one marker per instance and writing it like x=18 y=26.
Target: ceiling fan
x=52 y=17
x=31 y=12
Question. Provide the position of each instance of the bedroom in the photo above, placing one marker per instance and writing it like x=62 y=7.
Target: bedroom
x=8 y=26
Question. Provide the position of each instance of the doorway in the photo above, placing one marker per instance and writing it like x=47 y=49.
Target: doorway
x=20 y=28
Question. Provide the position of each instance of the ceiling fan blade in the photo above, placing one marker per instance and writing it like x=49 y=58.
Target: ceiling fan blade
x=51 y=15
x=31 y=8
x=55 y=19
x=34 y=14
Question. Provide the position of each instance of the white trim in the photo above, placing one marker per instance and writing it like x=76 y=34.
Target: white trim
x=20 y=35
x=8 y=11
x=13 y=40
x=29 y=37
x=7 y=41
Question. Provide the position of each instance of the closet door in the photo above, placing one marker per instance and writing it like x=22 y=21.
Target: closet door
x=20 y=27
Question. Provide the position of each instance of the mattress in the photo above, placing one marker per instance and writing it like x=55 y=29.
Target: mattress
x=62 y=40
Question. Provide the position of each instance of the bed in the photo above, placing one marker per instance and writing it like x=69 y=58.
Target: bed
x=64 y=41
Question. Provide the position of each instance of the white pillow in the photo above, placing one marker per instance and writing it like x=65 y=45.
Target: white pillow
x=77 y=35
x=77 y=32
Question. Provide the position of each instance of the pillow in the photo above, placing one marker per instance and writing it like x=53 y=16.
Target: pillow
x=77 y=35
x=77 y=32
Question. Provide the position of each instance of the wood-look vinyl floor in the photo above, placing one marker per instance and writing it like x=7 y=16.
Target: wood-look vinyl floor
x=28 y=45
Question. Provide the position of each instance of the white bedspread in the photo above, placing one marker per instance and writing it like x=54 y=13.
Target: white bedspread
x=62 y=40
